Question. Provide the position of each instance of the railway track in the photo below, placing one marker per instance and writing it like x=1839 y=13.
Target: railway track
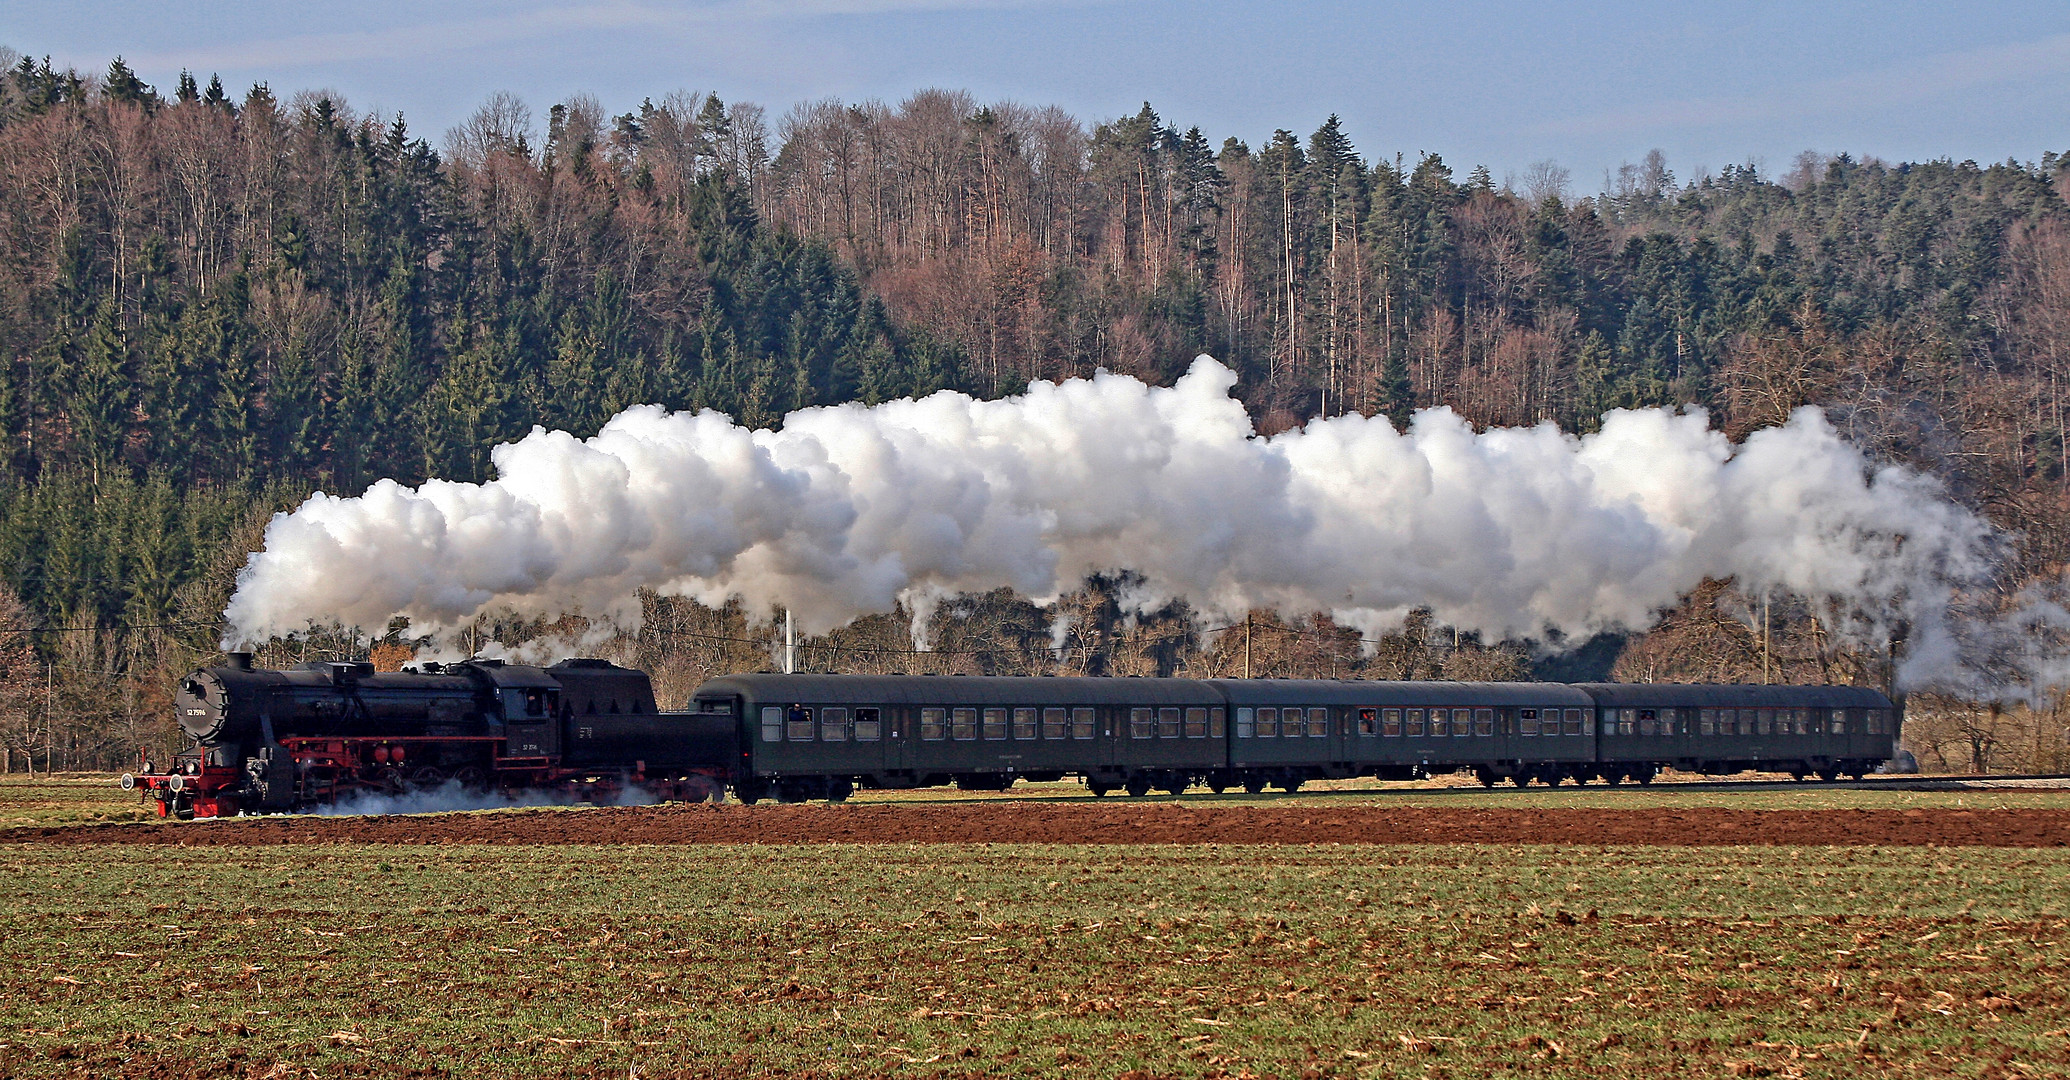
x=1896 y=782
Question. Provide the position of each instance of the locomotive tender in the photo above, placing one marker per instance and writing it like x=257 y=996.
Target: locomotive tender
x=286 y=740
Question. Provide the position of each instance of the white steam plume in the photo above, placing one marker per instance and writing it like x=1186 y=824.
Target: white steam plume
x=850 y=509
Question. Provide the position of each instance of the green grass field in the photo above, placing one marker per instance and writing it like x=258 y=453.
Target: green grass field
x=1038 y=960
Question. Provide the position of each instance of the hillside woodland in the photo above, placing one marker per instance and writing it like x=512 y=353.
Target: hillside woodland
x=214 y=303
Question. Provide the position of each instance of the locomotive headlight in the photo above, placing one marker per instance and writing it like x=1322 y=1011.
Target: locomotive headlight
x=129 y=782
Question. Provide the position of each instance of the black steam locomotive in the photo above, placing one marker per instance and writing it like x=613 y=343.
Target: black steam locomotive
x=266 y=740
x=286 y=740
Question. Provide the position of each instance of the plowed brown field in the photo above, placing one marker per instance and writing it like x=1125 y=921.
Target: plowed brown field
x=1029 y=823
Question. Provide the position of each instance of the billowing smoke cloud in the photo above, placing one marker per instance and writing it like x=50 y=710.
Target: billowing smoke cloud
x=849 y=510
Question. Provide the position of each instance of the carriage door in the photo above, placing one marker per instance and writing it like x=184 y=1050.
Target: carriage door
x=899 y=733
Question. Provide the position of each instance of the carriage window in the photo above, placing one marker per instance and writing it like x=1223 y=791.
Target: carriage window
x=1577 y=722
x=1728 y=722
x=1369 y=721
x=1839 y=721
x=1218 y=723
x=1414 y=722
x=1197 y=722
x=1764 y=721
x=1627 y=721
x=1024 y=723
x=1168 y=723
x=1391 y=723
x=995 y=724
x=799 y=721
x=1246 y=724
x=1707 y=721
x=1054 y=721
x=1318 y=723
x=1609 y=721
x=933 y=726
x=868 y=726
x=772 y=723
x=1527 y=721
x=1462 y=723
x=963 y=724
x=1649 y=723
x=833 y=725
x=1083 y=724
x=1142 y=723
x=1484 y=721
x=1268 y=723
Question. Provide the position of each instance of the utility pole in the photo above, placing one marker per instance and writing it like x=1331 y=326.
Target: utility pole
x=790 y=645
x=1764 y=639
x=1246 y=644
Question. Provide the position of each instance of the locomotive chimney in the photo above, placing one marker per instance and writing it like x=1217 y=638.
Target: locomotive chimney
x=242 y=661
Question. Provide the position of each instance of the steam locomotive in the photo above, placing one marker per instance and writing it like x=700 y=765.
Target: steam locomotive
x=269 y=741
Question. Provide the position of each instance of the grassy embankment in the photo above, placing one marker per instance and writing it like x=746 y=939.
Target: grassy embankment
x=85 y=799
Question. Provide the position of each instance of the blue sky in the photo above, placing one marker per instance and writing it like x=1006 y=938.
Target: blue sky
x=1503 y=84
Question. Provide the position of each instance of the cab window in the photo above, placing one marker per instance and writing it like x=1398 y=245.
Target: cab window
x=934 y=725
x=869 y=725
x=833 y=725
x=799 y=722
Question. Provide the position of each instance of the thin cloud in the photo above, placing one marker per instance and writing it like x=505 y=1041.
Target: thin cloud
x=1911 y=83
x=447 y=37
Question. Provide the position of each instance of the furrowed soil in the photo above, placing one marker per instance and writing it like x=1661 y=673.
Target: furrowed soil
x=1110 y=822
x=999 y=960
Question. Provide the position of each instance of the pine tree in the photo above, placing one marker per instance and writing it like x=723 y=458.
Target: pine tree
x=98 y=395
x=122 y=84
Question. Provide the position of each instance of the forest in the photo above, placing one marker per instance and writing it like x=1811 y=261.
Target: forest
x=213 y=303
